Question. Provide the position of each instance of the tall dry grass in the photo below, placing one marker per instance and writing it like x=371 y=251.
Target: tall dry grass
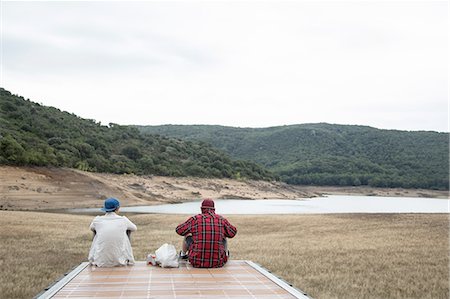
x=327 y=256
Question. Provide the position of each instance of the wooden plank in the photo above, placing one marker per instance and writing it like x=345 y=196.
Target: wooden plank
x=237 y=279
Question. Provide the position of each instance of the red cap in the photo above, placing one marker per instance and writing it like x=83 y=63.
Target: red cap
x=208 y=204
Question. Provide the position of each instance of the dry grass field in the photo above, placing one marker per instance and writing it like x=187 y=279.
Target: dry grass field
x=327 y=256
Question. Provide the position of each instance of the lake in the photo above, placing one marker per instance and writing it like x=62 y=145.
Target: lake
x=318 y=205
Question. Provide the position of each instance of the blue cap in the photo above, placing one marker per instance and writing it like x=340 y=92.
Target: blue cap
x=111 y=204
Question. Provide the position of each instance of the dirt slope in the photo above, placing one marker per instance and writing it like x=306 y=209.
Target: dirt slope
x=41 y=188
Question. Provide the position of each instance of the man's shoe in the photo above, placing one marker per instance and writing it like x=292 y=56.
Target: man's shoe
x=183 y=256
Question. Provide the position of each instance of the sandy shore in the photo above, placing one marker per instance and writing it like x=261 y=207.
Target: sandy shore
x=41 y=188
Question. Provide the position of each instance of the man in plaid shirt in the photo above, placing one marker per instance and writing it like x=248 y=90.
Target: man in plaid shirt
x=205 y=237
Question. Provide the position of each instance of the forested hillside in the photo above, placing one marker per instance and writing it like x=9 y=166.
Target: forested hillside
x=32 y=134
x=325 y=154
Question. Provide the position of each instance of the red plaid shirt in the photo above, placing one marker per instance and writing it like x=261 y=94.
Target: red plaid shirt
x=208 y=232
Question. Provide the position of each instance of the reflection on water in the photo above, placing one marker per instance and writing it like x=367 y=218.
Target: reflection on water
x=319 y=205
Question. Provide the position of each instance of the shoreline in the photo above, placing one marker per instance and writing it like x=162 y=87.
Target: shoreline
x=43 y=188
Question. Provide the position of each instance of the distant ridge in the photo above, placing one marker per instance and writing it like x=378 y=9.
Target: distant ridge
x=32 y=134
x=329 y=154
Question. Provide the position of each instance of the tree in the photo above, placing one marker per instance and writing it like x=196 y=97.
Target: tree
x=11 y=150
x=132 y=152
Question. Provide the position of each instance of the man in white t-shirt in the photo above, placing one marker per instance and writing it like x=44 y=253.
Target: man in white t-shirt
x=111 y=245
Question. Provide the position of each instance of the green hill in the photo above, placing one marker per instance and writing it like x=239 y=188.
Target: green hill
x=32 y=134
x=326 y=154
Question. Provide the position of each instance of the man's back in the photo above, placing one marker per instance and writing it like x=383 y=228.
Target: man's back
x=209 y=232
x=111 y=246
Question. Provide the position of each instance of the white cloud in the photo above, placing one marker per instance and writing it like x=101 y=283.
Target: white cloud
x=383 y=64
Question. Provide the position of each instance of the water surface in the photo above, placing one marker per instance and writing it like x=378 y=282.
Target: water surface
x=318 y=205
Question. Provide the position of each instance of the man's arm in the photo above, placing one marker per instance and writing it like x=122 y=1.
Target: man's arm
x=185 y=228
x=130 y=225
x=230 y=230
x=92 y=226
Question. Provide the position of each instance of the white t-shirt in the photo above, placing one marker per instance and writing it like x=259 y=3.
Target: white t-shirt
x=111 y=246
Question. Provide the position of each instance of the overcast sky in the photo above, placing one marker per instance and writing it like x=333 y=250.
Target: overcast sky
x=235 y=63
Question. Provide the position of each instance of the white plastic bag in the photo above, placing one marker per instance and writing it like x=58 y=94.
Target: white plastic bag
x=166 y=256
